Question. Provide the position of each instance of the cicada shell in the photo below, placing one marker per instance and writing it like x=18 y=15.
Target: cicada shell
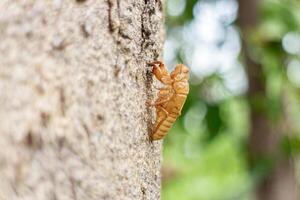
x=171 y=97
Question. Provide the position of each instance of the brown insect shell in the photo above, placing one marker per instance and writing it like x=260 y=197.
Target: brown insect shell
x=178 y=88
x=179 y=70
x=181 y=87
x=162 y=74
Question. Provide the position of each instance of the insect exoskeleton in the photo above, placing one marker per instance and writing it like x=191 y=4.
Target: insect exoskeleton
x=170 y=98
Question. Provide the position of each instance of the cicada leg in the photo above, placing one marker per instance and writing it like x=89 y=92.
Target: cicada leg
x=161 y=72
x=157 y=103
x=161 y=88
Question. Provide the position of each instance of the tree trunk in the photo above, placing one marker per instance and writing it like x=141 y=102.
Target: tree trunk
x=264 y=139
x=73 y=86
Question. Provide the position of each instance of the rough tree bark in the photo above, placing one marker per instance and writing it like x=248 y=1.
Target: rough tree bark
x=73 y=86
x=264 y=138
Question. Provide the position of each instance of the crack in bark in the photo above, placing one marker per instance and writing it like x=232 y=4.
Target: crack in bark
x=113 y=22
x=54 y=195
x=145 y=33
x=149 y=94
x=62 y=99
x=114 y=28
x=147 y=42
x=73 y=185
x=147 y=28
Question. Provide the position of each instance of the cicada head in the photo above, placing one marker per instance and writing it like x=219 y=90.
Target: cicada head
x=161 y=72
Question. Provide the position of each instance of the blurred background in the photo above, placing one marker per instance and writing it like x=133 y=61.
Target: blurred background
x=239 y=133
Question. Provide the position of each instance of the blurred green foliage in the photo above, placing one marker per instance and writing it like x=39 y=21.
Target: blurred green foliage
x=205 y=152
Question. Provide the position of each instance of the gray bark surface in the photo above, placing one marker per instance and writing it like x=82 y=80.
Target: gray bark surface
x=73 y=87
